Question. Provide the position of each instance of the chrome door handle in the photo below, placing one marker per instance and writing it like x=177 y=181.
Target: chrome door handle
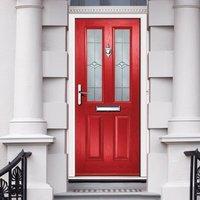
x=80 y=93
x=83 y=92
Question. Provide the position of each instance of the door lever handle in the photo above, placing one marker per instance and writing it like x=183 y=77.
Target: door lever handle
x=80 y=93
x=83 y=92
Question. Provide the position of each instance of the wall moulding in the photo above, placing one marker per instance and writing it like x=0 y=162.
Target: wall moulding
x=107 y=10
x=186 y=6
x=173 y=139
x=29 y=6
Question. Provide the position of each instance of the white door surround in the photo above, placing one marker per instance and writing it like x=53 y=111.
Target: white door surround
x=107 y=12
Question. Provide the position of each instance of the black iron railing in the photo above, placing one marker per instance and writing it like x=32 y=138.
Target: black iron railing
x=13 y=178
x=194 y=174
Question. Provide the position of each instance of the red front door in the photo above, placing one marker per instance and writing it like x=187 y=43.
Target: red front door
x=107 y=100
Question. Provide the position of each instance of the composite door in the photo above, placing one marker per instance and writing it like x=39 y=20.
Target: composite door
x=107 y=100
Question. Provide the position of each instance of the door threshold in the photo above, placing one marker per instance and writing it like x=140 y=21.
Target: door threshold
x=107 y=179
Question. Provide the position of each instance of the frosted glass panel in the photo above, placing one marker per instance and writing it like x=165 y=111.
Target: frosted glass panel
x=94 y=64
x=122 y=64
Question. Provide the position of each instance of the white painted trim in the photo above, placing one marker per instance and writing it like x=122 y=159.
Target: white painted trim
x=180 y=138
x=27 y=139
x=187 y=6
x=29 y=6
x=71 y=89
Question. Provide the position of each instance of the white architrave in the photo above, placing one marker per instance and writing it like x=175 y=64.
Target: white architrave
x=184 y=127
x=28 y=128
x=108 y=12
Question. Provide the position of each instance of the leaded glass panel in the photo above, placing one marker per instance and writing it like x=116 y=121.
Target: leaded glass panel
x=94 y=64
x=122 y=64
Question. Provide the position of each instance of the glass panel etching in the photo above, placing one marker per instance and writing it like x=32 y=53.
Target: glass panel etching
x=94 y=64
x=122 y=64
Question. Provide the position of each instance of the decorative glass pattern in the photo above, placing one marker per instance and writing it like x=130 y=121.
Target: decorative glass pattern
x=122 y=64
x=94 y=64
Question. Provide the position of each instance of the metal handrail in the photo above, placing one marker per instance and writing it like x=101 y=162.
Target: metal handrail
x=16 y=185
x=14 y=162
x=193 y=153
x=194 y=173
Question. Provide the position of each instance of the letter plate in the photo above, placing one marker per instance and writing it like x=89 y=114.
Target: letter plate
x=108 y=108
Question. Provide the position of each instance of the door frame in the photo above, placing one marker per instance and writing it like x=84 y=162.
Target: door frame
x=115 y=12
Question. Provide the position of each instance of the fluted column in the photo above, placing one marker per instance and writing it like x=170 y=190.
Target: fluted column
x=28 y=109
x=184 y=126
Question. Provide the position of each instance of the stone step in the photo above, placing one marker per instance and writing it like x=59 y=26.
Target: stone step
x=142 y=186
x=107 y=196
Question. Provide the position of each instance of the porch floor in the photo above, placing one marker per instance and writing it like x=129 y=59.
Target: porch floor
x=107 y=190
x=107 y=195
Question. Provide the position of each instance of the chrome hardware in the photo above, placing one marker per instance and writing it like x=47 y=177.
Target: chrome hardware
x=80 y=93
x=108 y=108
x=83 y=93
x=108 y=50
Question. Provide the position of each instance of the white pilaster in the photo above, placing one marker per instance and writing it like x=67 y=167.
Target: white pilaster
x=184 y=126
x=28 y=128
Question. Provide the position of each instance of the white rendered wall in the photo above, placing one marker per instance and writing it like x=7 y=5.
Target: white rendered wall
x=7 y=56
x=160 y=76
x=55 y=59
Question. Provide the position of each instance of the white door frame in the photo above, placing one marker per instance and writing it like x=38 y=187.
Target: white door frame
x=107 y=12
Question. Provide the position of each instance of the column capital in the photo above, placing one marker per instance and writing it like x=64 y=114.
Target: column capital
x=29 y=4
x=187 y=4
